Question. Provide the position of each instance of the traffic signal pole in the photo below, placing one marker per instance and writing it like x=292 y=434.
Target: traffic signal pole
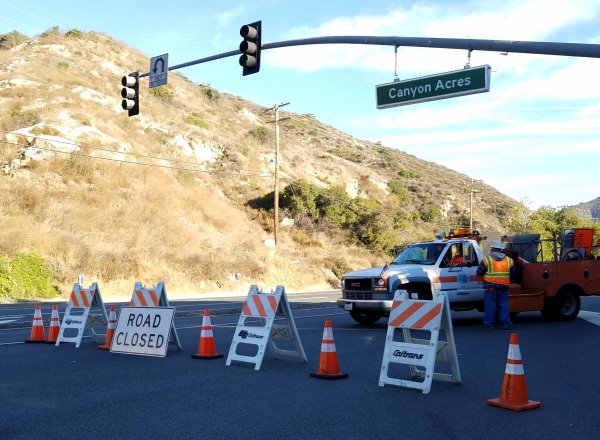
x=504 y=46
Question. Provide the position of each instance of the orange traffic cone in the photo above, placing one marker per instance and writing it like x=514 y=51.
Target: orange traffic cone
x=206 y=347
x=54 y=329
x=37 y=329
x=514 y=391
x=328 y=361
x=110 y=330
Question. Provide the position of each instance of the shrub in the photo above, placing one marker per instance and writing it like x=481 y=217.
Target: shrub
x=407 y=174
x=352 y=156
x=26 y=276
x=212 y=94
x=196 y=119
x=74 y=33
x=261 y=134
x=12 y=39
x=45 y=130
x=397 y=188
x=24 y=118
x=338 y=265
x=164 y=93
x=430 y=213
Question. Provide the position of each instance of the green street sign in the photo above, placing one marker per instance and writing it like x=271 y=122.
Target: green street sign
x=433 y=87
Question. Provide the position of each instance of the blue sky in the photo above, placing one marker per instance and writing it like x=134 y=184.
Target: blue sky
x=535 y=136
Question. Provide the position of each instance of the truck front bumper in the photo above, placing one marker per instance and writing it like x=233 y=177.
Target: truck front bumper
x=383 y=306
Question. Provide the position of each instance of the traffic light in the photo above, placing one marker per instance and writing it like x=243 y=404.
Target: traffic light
x=250 y=47
x=131 y=93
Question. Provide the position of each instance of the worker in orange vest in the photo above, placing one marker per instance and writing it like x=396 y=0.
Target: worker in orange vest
x=496 y=269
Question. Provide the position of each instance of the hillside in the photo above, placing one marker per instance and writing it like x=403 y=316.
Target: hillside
x=180 y=192
x=589 y=209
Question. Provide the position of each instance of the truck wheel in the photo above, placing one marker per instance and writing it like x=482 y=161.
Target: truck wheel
x=563 y=307
x=567 y=305
x=365 y=318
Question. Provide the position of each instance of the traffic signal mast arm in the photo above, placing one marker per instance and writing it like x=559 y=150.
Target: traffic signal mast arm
x=530 y=47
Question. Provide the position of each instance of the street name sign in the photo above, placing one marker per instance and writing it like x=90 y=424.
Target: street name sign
x=433 y=87
x=143 y=330
x=159 y=70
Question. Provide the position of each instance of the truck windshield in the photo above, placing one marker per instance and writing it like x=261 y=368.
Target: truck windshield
x=420 y=253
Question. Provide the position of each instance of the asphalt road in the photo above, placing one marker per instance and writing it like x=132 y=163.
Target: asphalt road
x=66 y=392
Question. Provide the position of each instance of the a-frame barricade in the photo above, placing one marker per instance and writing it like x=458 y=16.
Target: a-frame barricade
x=420 y=355
x=154 y=297
x=256 y=328
x=85 y=311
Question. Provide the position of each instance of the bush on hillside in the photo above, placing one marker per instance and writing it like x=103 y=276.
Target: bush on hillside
x=26 y=276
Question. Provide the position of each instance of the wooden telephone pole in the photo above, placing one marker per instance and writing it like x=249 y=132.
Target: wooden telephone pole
x=472 y=190
x=276 y=107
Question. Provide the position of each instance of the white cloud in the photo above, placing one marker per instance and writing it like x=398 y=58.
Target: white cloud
x=226 y=17
x=500 y=20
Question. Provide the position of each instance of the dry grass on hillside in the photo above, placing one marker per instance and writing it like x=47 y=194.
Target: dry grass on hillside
x=139 y=198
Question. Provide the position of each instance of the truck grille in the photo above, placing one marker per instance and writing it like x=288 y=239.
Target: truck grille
x=358 y=288
x=354 y=284
x=357 y=295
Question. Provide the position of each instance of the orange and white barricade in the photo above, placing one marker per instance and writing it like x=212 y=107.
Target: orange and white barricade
x=78 y=316
x=256 y=328
x=420 y=355
x=153 y=297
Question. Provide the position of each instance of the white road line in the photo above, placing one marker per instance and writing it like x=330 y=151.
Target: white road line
x=593 y=317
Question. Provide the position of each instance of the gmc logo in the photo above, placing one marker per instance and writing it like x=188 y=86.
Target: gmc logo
x=355 y=284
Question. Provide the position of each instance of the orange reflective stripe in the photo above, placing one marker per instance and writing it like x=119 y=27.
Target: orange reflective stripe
x=86 y=296
x=73 y=299
x=152 y=294
x=424 y=320
x=406 y=314
x=273 y=303
x=259 y=305
x=141 y=299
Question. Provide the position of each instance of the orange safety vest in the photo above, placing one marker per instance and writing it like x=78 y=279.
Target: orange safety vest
x=498 y=272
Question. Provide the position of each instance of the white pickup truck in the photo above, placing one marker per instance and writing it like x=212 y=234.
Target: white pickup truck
x=553 y=287
x=422 y=268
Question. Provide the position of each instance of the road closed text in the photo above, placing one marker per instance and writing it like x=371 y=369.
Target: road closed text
x=140 y=320
x=143 y=330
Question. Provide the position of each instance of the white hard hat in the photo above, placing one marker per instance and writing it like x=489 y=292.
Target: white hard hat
x=497 y=244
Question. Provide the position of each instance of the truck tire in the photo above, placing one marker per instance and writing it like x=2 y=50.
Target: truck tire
x=365 y=318
x=563 y=307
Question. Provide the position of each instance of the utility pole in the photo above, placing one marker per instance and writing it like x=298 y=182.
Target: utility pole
x=276 y=107
x=471 y=204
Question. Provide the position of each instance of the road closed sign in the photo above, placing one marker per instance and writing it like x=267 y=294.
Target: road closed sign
x=143 y=331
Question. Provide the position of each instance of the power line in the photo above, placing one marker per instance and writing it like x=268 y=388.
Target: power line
x=215 y=172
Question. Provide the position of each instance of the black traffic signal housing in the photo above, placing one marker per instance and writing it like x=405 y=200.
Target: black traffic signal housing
x=250 y=47
x=131 y=93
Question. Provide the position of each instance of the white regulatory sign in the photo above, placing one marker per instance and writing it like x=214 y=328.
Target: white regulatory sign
x=143 y=330
x=159 y=70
